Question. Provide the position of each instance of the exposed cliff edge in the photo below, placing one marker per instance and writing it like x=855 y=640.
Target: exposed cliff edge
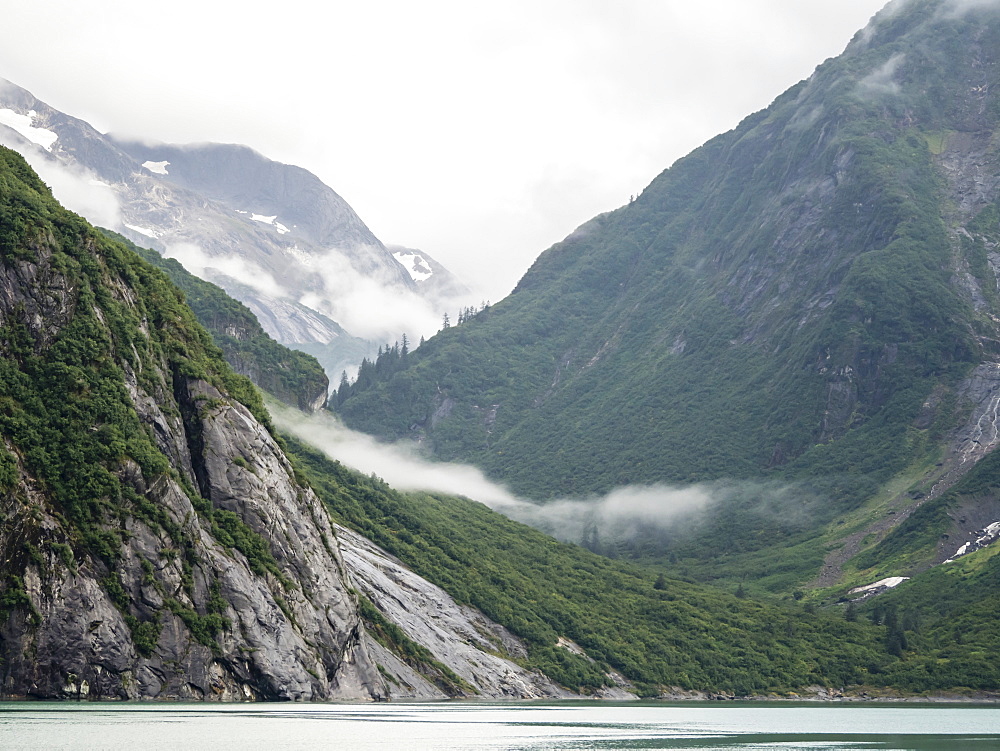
x=458 y=636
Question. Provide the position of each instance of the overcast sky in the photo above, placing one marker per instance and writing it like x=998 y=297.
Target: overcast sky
x=479 y=132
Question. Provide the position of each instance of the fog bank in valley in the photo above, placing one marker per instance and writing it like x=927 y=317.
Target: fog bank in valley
x=622 y=514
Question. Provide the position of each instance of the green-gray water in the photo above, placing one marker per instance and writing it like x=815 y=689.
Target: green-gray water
x=31 y=725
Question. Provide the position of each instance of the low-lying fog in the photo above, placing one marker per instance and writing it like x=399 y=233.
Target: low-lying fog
x=620 y=514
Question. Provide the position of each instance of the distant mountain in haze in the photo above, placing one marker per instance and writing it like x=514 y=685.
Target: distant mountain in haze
x=433 y=280
x=805 y=308
x=273 y=235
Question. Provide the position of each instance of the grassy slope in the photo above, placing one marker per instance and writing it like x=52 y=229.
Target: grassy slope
x=674 y=634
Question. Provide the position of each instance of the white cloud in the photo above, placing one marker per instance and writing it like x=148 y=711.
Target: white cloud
x=400 y=465
x=201 y=264
x=963 y=6
x=621 y=514
x=75 y=188
x=367 y=305
x=880 y=81
x=480 y=132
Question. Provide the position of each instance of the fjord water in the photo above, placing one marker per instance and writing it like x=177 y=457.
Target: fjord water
x=49 y=725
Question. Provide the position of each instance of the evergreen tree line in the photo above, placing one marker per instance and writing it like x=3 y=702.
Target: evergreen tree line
x=465 y=314
x=392 y=358
x=389 y=360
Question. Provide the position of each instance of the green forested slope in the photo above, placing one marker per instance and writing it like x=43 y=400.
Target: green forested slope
x=934 y=633
x=657 y=633
x=779 y=298
x=75 y=447
x=68 y=422
x=798 y=301
x=292 y=376
x=944 y=624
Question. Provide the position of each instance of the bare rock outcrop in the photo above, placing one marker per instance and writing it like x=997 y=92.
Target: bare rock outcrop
x=460 y=637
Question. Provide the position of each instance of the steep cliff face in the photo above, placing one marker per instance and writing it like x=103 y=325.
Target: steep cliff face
x=474 y=648
x=292 y=376
x=154 y=539
x=179 y=613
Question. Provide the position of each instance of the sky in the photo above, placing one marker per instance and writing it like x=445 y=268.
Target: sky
x=481 y=133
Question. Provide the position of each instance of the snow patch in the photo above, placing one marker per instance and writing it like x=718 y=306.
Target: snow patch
x=23 y=125
x=157 y=168
x=272 y=220
x=892 y=581
x=415 y=265
x=142 y=230
x=961 y=551
x=98 y=183
x=207 y=266
x=984 y=537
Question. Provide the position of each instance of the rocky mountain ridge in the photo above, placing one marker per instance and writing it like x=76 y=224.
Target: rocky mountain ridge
x=272 y=235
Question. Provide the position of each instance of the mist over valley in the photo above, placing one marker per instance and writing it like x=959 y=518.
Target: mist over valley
x=733 y=438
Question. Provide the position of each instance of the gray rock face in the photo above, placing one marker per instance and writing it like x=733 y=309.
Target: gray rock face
x=319 y=615
x=291 y=631
x=220 y=578
x=462 y=638
x=259 y=229
x=240 y=178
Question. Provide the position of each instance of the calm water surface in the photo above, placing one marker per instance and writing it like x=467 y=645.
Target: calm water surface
x=43 y=725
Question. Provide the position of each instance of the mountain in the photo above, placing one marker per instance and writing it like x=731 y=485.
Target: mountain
x=289 y=375
x=433 y=280
x=156 y=542
x=273 y=235
x=804 y=309
x=159 y=541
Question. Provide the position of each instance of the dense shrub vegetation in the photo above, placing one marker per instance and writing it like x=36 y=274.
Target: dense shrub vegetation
x=780 y=306
x=291 y=376
x=662 y=632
